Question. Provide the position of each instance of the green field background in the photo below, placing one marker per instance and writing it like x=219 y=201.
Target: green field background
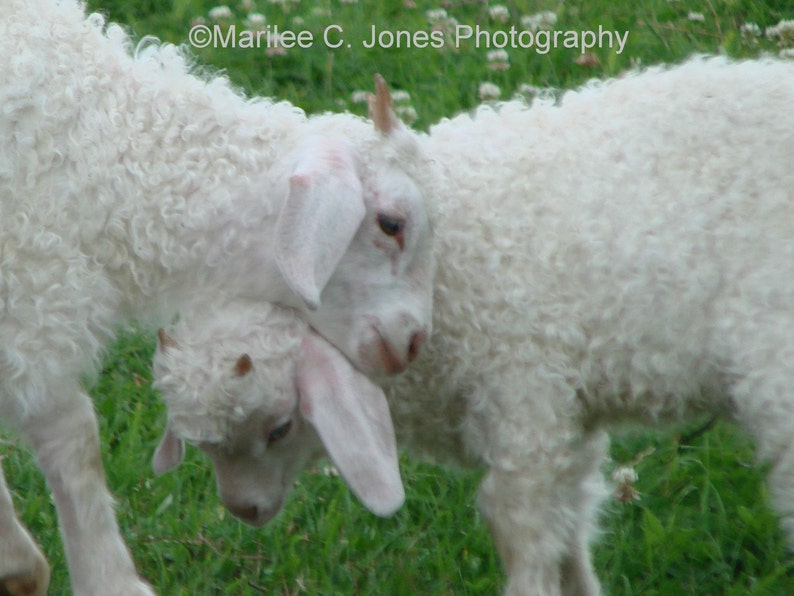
x=701 y=524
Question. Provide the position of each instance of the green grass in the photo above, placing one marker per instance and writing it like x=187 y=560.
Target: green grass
x=702 y=524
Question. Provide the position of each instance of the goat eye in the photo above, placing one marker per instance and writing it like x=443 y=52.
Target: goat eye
x=391 y=226
x=279 y=433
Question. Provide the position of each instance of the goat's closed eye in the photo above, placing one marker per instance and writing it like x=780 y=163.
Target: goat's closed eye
x=279 y=433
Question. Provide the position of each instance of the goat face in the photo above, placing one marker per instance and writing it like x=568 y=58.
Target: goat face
x=262 y=418
x=353 y=240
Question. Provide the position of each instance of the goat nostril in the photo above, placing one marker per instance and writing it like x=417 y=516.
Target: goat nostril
x=417 y=339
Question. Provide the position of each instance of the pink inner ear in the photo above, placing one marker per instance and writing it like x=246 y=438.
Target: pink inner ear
x=305 y=405
x=324 y=187
x=352 y=419
x=318 y=370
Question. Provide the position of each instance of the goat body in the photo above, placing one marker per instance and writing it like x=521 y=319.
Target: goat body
x=130 y=187
x=624 y=255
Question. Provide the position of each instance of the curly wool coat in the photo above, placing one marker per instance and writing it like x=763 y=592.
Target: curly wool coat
x=130 y=187
x=624 y=255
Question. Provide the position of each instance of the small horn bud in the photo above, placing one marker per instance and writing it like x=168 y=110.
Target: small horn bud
x=243 y=366
x=165 y=340
x=380 y=107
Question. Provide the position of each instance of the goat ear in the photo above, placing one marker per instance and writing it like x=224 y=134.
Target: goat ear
x=381 y=107
x=351 y=416
x=320 y=216
x=169 y=453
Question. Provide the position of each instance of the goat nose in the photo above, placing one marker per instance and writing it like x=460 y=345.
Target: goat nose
x=247 y=513
x=417 y=339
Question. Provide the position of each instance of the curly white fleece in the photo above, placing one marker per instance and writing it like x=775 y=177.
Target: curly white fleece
x=624 y=256
x=129 y=186
x=127 y=183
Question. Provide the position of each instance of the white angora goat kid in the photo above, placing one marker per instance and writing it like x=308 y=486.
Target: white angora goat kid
x=129 y=188
x=624 y=256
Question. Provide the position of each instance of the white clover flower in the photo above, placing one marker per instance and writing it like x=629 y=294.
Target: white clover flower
x=360 y=96
x=783 y=32
x=406 y=113
x=625 y=475
x=400 y=96
x=541 y=20
x=488 y=91
x=499 y=13
x=220 y=12
x=786 y=28
x=750 y=30
x=255 y=20
x=781 y=29
x=436 y=15
x=498 y=60
x=696 y=17
x=498 y=56
x=528 y=91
